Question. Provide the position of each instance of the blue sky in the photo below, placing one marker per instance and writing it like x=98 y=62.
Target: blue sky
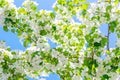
x=12 y=40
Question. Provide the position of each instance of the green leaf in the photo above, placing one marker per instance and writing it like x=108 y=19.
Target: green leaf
x=8 y=20
x=6 y=58
x=82 y=26
x=84 y=6
x=13 y=30
x=19 y=32
x=117 y=51
x=56 y=37
x=69 y=35
x=97 y=44
x=56 y=8
x=22 y=11
x=55 y=61
x=84 y=12
x=26 y=42
x=52 y=15
x=96 y=17
x=114 y=67
x=8 y=49
x=103 y=41
x=34 y=54
x=34 y=7
x=66 y=53
x=29 y=31
x=116 y=2
x=40 y=63
x=41 y=23
x=113 y=25
x=43 y=32
x=3 y=3
x=105 y=77
x=54 y=28
x=108 y=8
x=13 y=53
x=73 y=12
x=107 y=15
x=13 y=60
x=5 y=28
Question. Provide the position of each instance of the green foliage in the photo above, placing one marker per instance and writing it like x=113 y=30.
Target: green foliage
x=5 y=28
x=26 y=42
x=52 y=15
x=113 y=25
x=81 y=44
x=108 y=8
x=3 y=3
x=105 y=77
x=43 y=32
x=97 y=44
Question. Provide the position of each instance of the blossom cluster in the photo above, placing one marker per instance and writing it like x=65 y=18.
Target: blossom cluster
x=81 y=45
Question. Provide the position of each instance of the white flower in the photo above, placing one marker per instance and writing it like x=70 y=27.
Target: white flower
x=55 y=53
x=44 y=74
x=97 y=39
x=27 y=4
x=72 y=65
x=118 y=43
x=3 y=45
x=62 y=59
x=76 y=77
x=10 y=1
x=114 y=76
x=2 y=16
x=4 y=76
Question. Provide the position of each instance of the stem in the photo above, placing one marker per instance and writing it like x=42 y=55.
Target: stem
x=108 y=37
x=92 y=55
